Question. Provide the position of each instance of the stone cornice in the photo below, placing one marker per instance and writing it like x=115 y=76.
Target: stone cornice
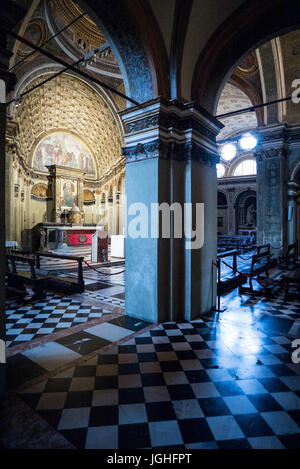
x=171 y=150
x=274 y=136
x=235 y=181
x=180 y=117
x=168 y=129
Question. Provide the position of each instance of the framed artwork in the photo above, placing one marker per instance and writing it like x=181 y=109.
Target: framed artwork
x=65 y=150
x=69 y=194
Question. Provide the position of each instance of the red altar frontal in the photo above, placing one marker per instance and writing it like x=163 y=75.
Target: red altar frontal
x=79 y=237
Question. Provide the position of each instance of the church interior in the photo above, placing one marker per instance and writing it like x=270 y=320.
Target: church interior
x=111 y=339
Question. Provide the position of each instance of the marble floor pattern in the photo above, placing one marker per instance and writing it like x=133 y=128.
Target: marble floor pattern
x=35 y=362
x=39 y=318
x=223 y=382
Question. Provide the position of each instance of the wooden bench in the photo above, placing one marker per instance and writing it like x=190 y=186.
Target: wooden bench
x=239 y=242
x=232 y=281
x=260 y=266
x=67 y=284
x=291 y=279
x=290 y=259
x=17 y=279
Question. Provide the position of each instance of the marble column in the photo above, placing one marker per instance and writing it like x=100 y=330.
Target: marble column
x=293 y=215
x=171 y=159
x=9 y=194
x=271 y=189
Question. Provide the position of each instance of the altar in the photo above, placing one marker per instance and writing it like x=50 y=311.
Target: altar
x=53 y=236
x=65 y=229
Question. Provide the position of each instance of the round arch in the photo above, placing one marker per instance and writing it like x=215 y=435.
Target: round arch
x=243 y=32
x=128 y=26
x=295 y=171
x=245 y=200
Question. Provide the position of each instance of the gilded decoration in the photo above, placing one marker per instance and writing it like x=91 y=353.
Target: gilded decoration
x=88 y=197
x=85 y=28
x=39 y=191
x=248 y=66
x=67 y=104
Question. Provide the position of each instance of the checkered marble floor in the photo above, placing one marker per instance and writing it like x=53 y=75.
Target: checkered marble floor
x=44 y=317
x=183 y=386
x=106 y=298
x=51 y=356
x=279 y=306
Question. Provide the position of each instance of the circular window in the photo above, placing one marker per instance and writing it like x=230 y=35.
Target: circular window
x=248 y=142
x=228 y=151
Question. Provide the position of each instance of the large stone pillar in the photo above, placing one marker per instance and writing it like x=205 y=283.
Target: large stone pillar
x=170 y=159
x=2 y=234
x=272 y=189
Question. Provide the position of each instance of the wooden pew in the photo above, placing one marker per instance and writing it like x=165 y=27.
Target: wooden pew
x=260 y=266
x=68 y=285
x=17 y=279
x=290 y=259
x=232 y=281
x=291 y=262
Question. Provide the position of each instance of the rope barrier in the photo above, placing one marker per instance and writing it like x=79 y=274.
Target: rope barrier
x=248 y=258
x=102 y=273
x=261 y=282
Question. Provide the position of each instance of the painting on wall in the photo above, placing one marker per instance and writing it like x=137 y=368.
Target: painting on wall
x=69 y=194
x=39 y=192
x=36 y=32
x=65 y=150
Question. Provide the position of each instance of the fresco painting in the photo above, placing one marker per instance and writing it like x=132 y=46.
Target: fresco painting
x=69 y=194
x=64 y=150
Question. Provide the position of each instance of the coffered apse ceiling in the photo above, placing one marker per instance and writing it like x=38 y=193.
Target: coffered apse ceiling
x=66 y=103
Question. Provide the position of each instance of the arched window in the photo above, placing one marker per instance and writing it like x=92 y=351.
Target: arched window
x=220 y=170
x=246 y=168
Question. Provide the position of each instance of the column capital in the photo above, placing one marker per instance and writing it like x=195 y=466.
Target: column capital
x=277 y=140
x=168 y=129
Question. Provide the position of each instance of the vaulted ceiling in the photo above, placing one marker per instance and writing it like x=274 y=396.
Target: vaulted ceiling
x=67 y=103
x=265 y=75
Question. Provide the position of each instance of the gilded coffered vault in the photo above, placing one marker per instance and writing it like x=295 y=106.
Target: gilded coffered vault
x=85 y=29
x=68 y=104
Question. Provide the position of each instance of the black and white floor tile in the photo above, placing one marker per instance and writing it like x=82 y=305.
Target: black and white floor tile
x=48 y=316
x=48 y=357
x=184 y=386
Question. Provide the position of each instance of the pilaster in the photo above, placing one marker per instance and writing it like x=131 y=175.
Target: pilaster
x=171 y=159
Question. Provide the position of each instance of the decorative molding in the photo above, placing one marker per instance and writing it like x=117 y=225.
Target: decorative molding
x=172 y=150
x=271 y=153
